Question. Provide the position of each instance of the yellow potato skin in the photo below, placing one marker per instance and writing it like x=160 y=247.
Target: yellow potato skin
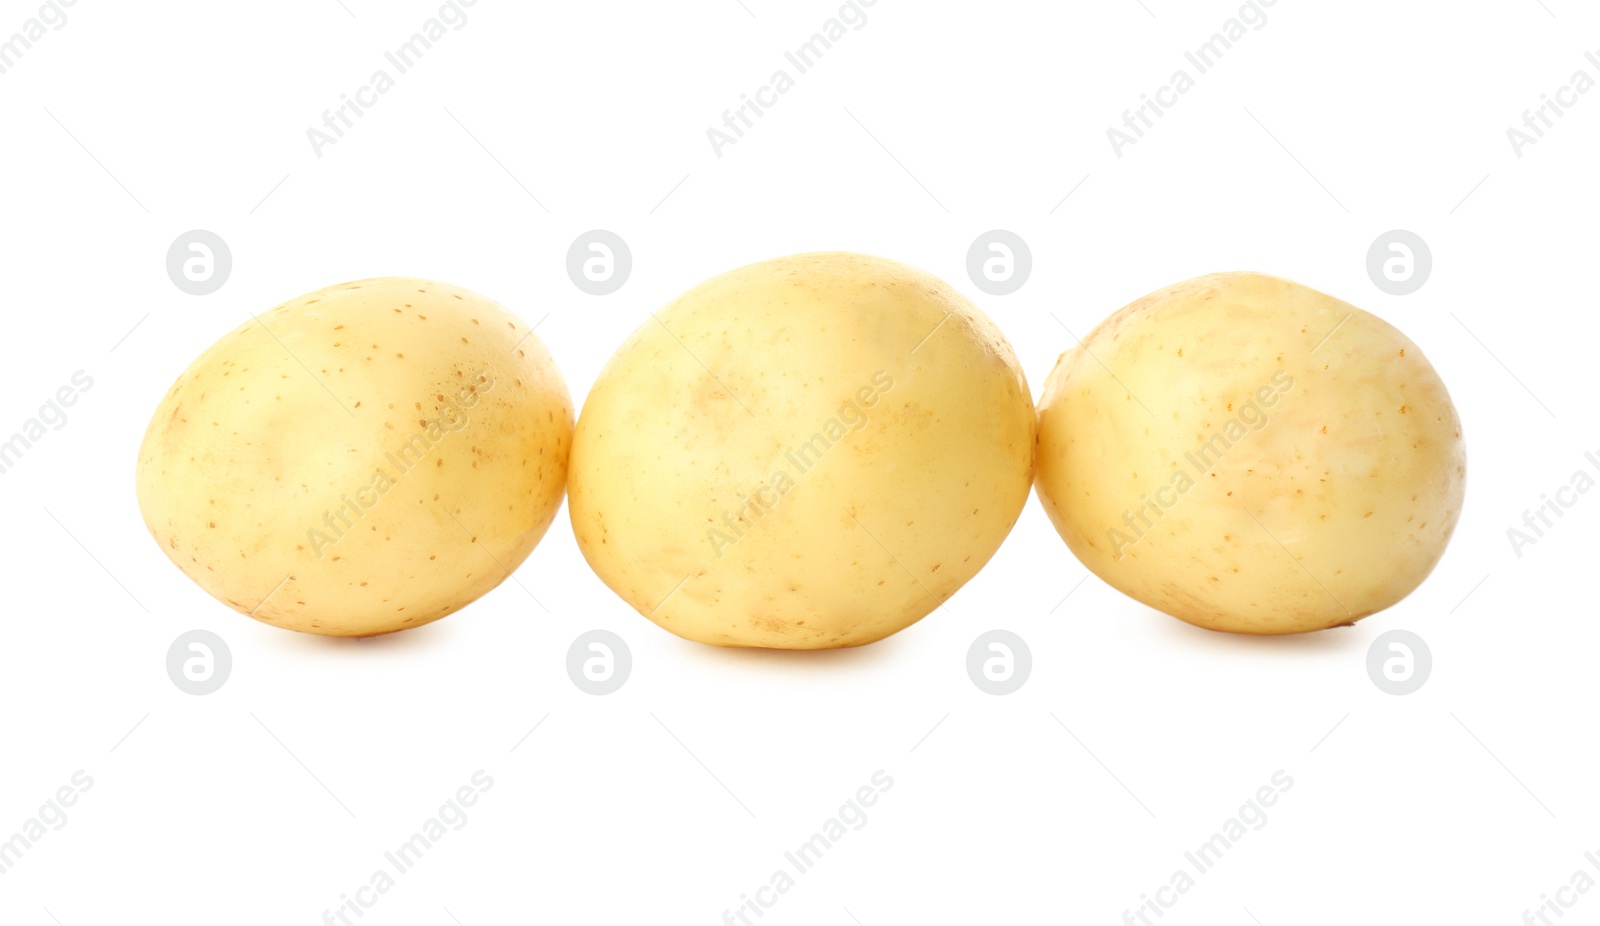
x=1337 y=506
x=434 y=404
x=705 y=405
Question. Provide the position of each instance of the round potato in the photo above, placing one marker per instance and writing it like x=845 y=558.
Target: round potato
x=809 y=452
x=366 y=458
x=1250 y=455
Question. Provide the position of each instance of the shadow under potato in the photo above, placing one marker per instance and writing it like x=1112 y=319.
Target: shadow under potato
x=1317 y=641
x=882 y=651
x=414 y=639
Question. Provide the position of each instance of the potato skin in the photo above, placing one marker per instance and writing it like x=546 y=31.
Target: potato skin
x=1331 y=496
x=701 y=496
x=435 y=405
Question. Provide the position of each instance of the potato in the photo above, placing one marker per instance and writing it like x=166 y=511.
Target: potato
x=1250 y=455
x=366 y=458
x=809 y=452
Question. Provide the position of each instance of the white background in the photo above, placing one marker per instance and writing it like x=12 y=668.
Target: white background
x=1136 y=737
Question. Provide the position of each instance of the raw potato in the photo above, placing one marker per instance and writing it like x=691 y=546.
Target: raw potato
x=1251 y=455
x=366 y=458
x=809 y=452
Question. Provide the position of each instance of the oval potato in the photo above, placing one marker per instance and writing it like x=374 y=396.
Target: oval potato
x=366 y=458
x=1251 y=455
x=804 y=453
